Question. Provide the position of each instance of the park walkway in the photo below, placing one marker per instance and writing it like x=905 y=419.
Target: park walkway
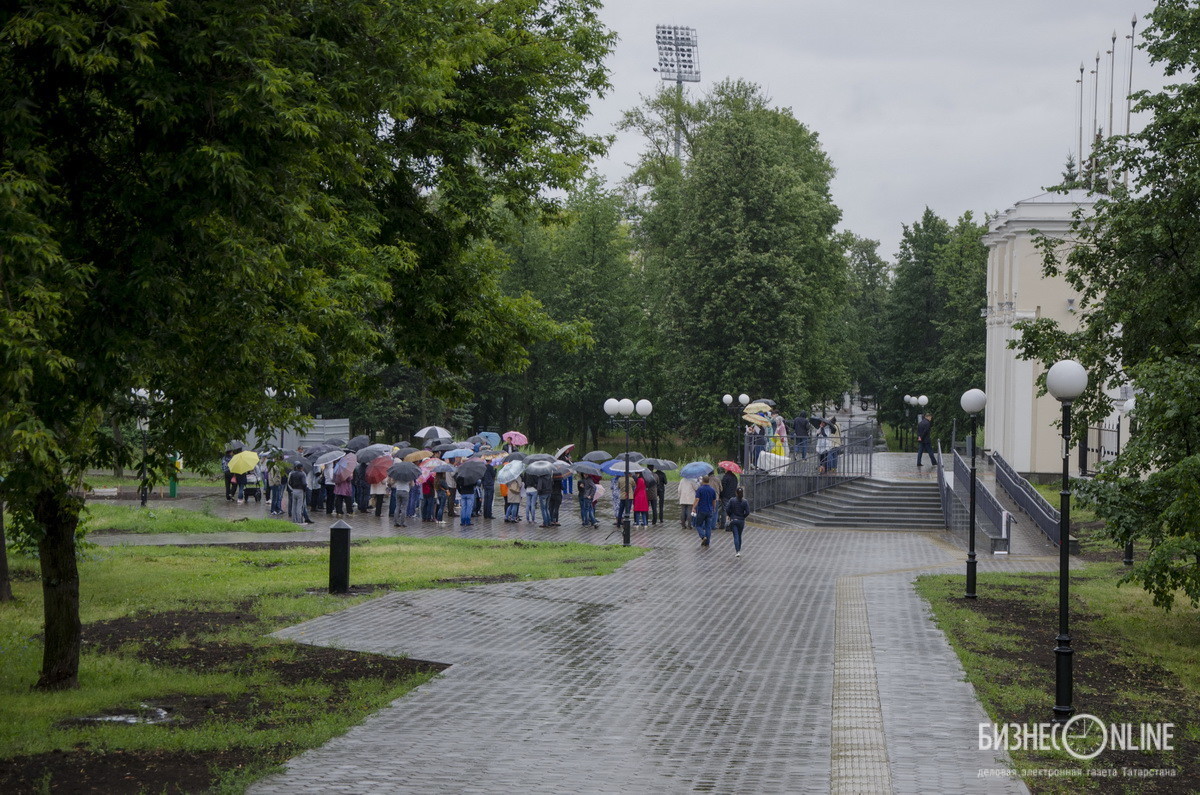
x=806 y=665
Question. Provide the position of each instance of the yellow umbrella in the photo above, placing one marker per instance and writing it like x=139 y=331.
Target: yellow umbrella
x=243 y=462
x=419 y=455
x=756 y=407
x=756 y=419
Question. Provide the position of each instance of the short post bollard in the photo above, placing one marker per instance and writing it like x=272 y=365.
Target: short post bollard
x=339 y=557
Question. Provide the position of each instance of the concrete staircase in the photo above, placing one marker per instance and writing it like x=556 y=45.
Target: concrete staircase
x=861 y=504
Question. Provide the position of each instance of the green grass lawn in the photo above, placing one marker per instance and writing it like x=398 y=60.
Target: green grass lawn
x=195 y=621
x=124 y=519
x=1133 y=663
x=133 y=482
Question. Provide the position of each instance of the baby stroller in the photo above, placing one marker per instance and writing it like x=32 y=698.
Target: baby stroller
x=252 y=488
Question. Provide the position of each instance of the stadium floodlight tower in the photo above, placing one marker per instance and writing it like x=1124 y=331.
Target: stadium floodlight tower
x=677 y=61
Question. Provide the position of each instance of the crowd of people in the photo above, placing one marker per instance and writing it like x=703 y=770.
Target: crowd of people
x=783 y=440
x=434 y=490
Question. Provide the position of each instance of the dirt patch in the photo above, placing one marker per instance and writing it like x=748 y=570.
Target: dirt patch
x=1104 y=677
x=198 y=640
x=115 y=771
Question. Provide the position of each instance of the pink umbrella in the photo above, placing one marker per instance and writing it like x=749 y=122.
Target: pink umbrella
x=730 y=466
x=516 y=437
x=377 y=470
x=343 y=470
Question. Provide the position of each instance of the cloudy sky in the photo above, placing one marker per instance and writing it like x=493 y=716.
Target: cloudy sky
x=949 y=104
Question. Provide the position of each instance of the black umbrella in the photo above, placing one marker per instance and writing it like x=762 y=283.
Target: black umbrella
x=358 y=443
x=587 y=468
x=816 y=421
x=472 y=470
x=336 y=441
x=597 y=456
x=403 y=470
x=442 y=447
x=477 y=439
x=542 y=467
x=368 y=454
x=770 y=403
x=294 y=459
x=529 y=459
x=649 y=477
x=318 y=450
x=631 y=456
x=235 y=444
x=514 y=456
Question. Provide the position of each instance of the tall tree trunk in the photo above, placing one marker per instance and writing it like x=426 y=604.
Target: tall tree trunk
x=119 y=441
x=6 y=594
x=58 y=515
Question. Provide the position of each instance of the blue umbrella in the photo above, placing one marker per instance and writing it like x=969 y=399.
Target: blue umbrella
x=586 y=468
x=492 y=437
x=458 y=452
x=696 y=469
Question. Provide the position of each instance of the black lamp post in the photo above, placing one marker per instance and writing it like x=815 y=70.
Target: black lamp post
x=972 y=402
x=1066 y=381
x=737 y=411
x=625 y=407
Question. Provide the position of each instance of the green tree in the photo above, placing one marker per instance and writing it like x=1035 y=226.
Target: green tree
x=1136 y=266
x=203 y=201
x=741 y=242
x=870 y=280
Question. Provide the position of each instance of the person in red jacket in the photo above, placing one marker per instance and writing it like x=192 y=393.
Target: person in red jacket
x=641 y=502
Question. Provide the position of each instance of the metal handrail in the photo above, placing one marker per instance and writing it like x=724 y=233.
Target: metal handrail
x=771 y=478
x=1022 y=492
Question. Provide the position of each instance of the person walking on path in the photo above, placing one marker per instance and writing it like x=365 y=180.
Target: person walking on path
x=704 y=509
x=687 y=496
x=729 y=484
x=641 y=501
x=924 y=442
x=737 y=510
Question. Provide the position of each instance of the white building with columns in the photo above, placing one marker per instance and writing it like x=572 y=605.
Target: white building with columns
x=1017 y=423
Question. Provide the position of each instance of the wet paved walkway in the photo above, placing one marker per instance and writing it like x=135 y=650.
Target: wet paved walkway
x=806 y=665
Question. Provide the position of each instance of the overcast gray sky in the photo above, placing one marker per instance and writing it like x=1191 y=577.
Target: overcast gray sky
x=955 y=104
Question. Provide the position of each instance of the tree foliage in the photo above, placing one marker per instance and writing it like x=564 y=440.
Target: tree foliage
x=740 y=243
x=935 y=338
x=204 y=201
x=1137 y=268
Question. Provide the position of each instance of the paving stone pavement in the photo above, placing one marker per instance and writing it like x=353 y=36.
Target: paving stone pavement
x=686 y=670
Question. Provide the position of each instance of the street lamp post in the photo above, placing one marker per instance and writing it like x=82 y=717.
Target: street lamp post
x=972 y=401
x=1066 y=381
x=625 y=407
x=736 y=411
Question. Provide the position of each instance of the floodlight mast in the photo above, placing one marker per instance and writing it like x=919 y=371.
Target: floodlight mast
x=677 y=61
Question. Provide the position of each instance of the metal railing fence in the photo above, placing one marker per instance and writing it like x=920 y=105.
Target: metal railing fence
x=1022 y=492
x=782 y=468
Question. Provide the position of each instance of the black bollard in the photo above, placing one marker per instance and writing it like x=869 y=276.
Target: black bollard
x=339 y=557
x=625 y=532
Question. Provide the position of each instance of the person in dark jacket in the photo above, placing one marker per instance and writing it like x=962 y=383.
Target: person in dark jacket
x=297 y=483
x=801 y=428
x=587 y=507
x=738 y=509
x=556 y=495
x=489 y=491
x=729 y=485
x=545 y=485
x=658 y=497
x=924 y=442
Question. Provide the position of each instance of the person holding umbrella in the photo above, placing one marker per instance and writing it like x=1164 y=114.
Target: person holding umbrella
x=704 y=508
x=658 y=494
x=297 y=485
x=587 y=505
x=512 y=501
x=687 y=496
x=641 y=501
x=488 y=484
